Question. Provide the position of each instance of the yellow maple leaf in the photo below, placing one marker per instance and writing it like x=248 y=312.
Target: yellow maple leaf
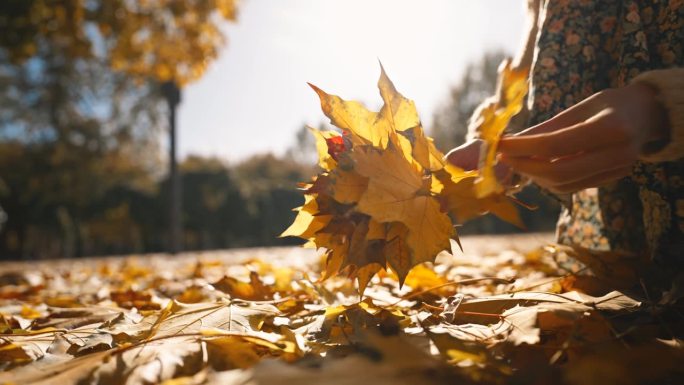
x=365 y=274
x=307 y=222
x=397 y=251
x=343 y=186
x=376 y=230
x=363 y=251
x=325 y=160
x=353 y=117
x=456 y=192
x=398 y=110
x=492 y=122
x=424 y=150
x=398 y=191
x=402 y=117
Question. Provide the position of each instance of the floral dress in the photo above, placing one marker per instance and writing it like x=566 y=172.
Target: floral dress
x=584 y=47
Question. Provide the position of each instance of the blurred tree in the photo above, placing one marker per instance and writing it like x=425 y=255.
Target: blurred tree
x=54 y=191
x=450 y=122
x=160 y=39
x=214 y=212
x=269 y=186
x=76 y=130
x=303 y=150
x=3 y=214
x=80 y=107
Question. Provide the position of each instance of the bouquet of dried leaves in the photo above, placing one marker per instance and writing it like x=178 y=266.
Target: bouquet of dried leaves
x=385 y=195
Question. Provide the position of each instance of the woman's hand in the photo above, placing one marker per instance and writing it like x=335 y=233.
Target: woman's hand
x=467 y=157
x=592 y=143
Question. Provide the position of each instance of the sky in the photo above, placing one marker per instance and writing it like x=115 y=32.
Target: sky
x=254 y=97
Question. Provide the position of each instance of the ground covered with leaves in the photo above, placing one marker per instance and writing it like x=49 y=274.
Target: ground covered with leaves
x=501 y=312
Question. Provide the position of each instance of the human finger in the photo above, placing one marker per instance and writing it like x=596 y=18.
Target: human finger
x=504 y=173
x=597 y=180
x=571 y=169
x=571 y=116
x=601 y=131
x=465 y=156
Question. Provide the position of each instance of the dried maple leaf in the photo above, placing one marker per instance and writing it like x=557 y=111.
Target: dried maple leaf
x=326 y=160
x=489 y=332
x=399 y=192
x=130 y=298
x=455 y=188
x=307 y=222
x=254 y=290
x=385 y=195
x=492 y=121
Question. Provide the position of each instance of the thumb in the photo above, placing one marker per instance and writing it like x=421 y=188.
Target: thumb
x=466 y=156
x=571 y=116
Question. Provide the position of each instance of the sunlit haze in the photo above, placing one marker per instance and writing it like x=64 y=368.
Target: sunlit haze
x=255 y=97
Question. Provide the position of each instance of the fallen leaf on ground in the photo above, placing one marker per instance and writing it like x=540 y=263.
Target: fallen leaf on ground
x=464 y=320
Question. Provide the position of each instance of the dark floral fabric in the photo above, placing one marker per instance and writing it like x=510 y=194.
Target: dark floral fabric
x=584 y=47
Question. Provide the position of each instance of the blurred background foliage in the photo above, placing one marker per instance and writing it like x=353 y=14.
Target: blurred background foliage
x=81 y=126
